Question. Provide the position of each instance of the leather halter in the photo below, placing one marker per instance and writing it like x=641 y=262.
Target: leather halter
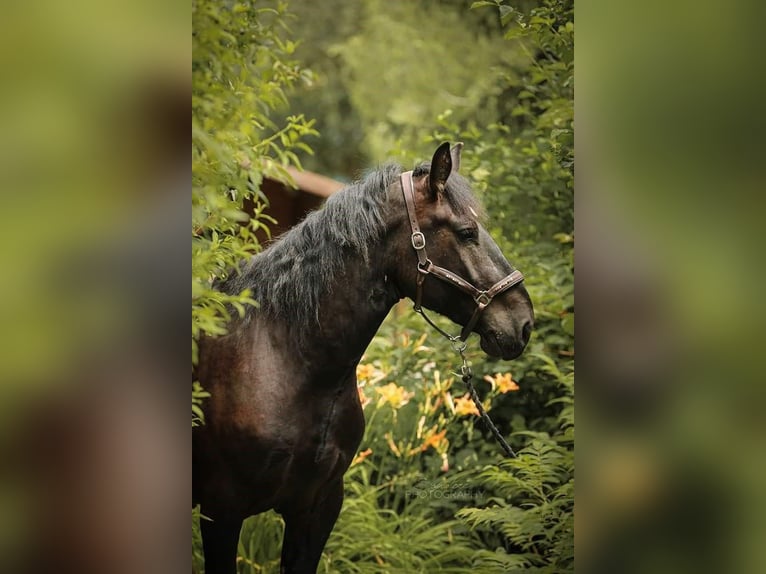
x=426 y=267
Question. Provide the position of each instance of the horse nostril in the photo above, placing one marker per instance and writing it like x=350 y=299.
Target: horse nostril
x=526 y=331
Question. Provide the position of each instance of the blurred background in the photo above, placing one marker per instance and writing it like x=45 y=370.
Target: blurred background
x=670 y=189
x=94 y=182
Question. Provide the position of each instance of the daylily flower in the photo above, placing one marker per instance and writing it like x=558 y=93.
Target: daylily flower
x=502 y=383
x=434 y=440
x=361 y=456
x=394 y=395
x=366 y=372
x=465 y=406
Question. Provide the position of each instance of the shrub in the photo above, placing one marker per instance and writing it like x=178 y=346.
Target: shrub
x=241 y=69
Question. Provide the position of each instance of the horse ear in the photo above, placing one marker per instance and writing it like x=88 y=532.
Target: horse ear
x=441 y=166
x=455 y=155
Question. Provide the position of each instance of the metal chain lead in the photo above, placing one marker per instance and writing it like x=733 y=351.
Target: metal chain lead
x=467 y=375
x=459 y=346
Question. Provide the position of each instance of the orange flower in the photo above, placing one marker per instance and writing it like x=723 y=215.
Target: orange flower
x=361 y=456
x=394 y=395
x=465 y=406
x=502 y=383
x=434 y=439
x=364 y=371
x=368 y=373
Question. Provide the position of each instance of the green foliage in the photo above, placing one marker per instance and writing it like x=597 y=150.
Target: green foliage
x=524 y=162
x=241 y=71
x=525 y=167
x=322 y=26
x=197 y=555
x=388 y=68
x=453 y=68
x=198 y=395
x=372 y=538
x=531 y=508
x=260 y=544
x=368 y=538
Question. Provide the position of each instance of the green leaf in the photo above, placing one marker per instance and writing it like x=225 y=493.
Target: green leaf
x=567 y=324
x=482 y=3
x=506 y=13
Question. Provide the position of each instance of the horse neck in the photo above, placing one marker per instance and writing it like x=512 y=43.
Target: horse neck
x=356 y=303
x=325 y=283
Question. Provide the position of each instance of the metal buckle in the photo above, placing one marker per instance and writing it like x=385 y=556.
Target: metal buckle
x=483 y=299
x=425 y=267
x=418 y=241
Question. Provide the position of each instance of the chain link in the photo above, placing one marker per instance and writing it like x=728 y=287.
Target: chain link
x=460 y=346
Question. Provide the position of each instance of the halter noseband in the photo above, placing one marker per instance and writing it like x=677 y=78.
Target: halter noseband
x=426 y=267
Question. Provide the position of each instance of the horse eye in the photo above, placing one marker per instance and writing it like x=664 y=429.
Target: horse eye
x=468 y=234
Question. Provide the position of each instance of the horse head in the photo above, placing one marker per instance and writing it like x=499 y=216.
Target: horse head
x=445 y=259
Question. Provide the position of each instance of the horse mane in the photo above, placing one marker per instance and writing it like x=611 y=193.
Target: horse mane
x=292 y=275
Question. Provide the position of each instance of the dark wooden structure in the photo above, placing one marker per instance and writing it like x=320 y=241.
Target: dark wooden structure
x=289 y=206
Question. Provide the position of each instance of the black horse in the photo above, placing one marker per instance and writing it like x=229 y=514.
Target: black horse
x=284 y=420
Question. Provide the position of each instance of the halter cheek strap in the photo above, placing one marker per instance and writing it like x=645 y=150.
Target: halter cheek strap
x=427 y=267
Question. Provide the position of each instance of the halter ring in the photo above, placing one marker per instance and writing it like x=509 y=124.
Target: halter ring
x=482 y=299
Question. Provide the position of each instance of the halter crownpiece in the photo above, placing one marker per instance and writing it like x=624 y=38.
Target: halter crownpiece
x=427 y=267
